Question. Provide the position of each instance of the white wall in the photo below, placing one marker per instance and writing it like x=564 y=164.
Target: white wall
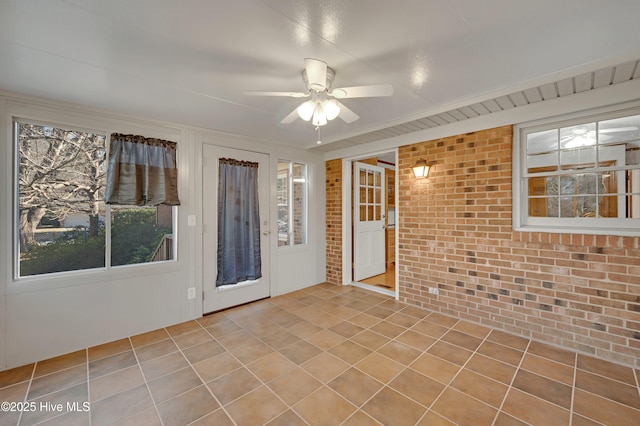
x=42 y=318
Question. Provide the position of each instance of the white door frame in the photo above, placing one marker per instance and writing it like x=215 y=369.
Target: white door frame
x=238 y=294
x=347 y=221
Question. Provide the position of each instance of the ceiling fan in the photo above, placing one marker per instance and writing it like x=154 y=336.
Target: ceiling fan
x=324 y=104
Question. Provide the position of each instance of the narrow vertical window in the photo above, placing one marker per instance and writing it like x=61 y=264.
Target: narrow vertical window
x=292 y=203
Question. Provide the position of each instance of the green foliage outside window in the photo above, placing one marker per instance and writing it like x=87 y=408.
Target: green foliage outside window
x=74 y=250
x=135 y=237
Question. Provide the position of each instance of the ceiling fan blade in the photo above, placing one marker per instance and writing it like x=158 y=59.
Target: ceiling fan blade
x=287 y=94
x=362 y=91
x=346 y=114
x=316 y=73
x=293 y=116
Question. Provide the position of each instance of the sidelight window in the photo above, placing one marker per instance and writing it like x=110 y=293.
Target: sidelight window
x=292 y=203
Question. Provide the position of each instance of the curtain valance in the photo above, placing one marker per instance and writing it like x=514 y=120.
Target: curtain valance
x=234 y=162
x=142 y=171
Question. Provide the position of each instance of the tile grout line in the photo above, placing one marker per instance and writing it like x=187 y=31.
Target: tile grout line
x=146 y=382
x=510 y=386
x=202 y=379
x=424 y=352
x=288 y=407
x=405 y=367
x=204 y=383
x=86 y=356
x=58 y=390
x=26 y=395
x=462 y=367
x=373 y=351
x=352 y=365
x=597 y=374
x=144 y=378
x=573 y=388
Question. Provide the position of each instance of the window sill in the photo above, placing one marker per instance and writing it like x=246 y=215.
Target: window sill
x=100 y=276
x=618 y=232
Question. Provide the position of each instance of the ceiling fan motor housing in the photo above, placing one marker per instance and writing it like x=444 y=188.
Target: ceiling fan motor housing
x=331 y=74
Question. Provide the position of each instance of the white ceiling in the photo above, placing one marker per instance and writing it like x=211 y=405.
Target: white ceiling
x=191 y=61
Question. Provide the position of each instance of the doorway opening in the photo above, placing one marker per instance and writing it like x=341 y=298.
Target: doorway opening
x=370 y=219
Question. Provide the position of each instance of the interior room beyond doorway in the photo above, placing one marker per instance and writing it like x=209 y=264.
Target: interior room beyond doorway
x=384 y=282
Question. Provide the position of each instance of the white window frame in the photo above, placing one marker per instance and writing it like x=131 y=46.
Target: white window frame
x=291 y=205
x=68 y=278
x=594 y=226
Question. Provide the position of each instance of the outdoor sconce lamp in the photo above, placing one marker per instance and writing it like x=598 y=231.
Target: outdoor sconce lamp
x=421 y=169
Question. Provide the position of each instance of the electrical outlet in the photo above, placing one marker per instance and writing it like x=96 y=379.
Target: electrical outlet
x=191 y=293
x=433 y=290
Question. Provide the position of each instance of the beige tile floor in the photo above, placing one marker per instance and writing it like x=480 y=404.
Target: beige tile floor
x=325 y=355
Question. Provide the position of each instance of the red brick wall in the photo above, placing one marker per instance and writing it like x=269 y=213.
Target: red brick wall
x=334 y=220
x=581 y=292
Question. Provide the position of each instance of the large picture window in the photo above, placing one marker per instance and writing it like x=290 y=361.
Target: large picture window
x=581 y=175
x=63 y=223
x=292 y=203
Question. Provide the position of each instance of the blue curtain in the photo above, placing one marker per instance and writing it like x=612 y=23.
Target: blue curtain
x=238 y=223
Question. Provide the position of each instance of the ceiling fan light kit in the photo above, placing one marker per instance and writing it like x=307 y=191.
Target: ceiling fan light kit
x=319 y=119
x=306 y=110
x=331 y=109
x=319 y=111
x=324 y=105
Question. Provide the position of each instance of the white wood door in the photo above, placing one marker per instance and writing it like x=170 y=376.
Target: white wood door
x=217 y=298
x=369 y=223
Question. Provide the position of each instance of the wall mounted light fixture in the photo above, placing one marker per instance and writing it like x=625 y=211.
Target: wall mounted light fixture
x=421 y=169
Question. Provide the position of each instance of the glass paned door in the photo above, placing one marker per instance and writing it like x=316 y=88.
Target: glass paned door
x=369 y=228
